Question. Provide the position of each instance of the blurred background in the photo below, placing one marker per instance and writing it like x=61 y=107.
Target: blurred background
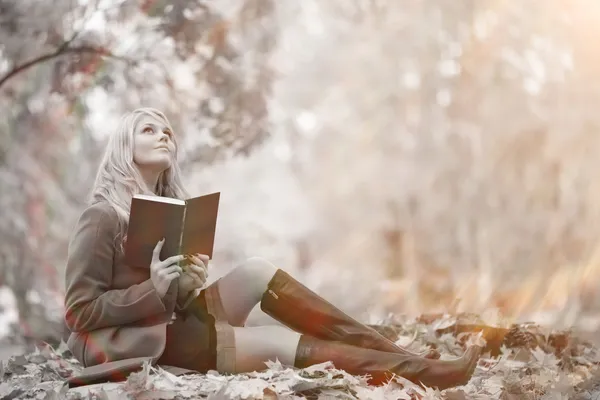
x=398 y=157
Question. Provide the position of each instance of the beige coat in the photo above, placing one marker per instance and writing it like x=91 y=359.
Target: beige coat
x=112 y=310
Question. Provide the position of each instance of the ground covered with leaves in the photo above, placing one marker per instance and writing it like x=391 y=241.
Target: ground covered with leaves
x=521 y=362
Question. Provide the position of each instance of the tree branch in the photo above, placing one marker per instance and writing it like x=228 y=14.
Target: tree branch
x=58 y=53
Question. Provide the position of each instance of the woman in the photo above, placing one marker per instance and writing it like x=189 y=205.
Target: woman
x=117 y=312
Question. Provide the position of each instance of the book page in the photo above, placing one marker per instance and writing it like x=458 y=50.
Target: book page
x=160 y=199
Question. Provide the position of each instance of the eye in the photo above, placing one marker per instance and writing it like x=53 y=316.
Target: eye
x=168 y=132
x=147 y=130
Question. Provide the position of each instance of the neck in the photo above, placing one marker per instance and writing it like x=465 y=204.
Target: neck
x=150 y=179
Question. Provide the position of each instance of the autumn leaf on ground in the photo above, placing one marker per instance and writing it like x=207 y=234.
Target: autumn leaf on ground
x=517 y=372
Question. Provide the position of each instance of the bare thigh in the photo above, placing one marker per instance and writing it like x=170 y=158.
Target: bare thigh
x=256 y=345
x=242 y=288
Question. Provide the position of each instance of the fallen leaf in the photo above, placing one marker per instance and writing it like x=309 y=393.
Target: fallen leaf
x=274 y=365
x=37 y=359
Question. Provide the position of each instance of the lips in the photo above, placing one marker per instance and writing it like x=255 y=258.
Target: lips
x=163 y=147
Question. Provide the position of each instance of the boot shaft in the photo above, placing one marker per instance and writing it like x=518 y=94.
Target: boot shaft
x=299 y=308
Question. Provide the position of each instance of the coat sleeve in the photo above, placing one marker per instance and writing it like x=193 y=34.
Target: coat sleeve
x=90 y=303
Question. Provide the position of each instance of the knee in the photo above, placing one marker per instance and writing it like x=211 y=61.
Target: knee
x=257 y=270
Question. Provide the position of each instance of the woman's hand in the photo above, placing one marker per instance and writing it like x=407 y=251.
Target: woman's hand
x=194 y=275
x=163 y=272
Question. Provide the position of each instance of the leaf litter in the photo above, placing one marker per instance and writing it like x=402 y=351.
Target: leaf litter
x=520 y=362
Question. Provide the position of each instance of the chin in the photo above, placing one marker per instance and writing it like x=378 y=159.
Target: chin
x=164 y=167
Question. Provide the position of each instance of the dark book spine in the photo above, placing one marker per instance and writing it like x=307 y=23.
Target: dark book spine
x=180 y=243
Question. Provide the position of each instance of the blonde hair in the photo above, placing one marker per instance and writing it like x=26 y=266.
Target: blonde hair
x=118 y=179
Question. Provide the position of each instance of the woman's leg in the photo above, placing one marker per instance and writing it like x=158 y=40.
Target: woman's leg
x=242 y=288
x=288 y=301
x=257 y=345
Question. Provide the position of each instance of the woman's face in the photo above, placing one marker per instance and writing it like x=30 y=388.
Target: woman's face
x=153 y=146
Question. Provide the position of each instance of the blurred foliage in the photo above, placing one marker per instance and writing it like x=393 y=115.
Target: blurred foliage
x=55 y=57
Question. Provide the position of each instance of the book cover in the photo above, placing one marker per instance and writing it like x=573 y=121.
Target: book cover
x=199 y=225
x=188 y=227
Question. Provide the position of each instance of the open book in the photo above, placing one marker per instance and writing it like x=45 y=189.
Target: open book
x=188 y=227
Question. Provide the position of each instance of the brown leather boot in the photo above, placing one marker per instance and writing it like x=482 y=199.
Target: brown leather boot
x=381 y=366
x=301 y=309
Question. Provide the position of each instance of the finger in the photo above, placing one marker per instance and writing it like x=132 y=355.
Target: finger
x=172 y=260
x=197 y=274
x=199 y=263
x=172 y=276
x=205 y=259
x=199 y=269
x=200 y=272
x=202 y=279
x=200 y=257
x=157 y=249
x=199 y=280
x=196 y=260
x=169 y=270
